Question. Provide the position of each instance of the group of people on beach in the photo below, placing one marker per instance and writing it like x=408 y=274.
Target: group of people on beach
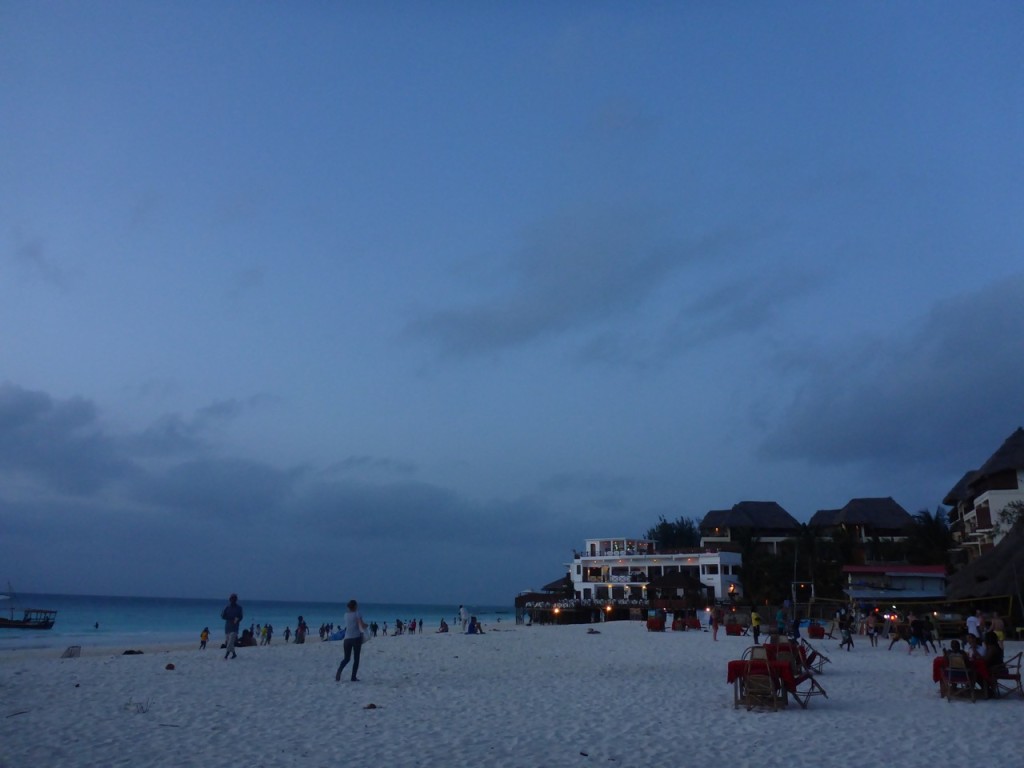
x=356 y=632
x=989 y=653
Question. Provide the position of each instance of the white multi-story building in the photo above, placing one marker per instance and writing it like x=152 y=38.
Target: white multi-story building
x=622 y=569
x=981 y=496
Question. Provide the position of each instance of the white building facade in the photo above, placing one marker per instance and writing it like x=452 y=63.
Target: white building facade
x=615 y=569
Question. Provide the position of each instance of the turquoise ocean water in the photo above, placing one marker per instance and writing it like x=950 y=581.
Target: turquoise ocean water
x=136 y=621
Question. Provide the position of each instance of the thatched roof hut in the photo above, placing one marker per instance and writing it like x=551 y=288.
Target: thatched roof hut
x=996 y=573
x=876 y=516
x=756 y=515
x=562 y=586
x=999 y=472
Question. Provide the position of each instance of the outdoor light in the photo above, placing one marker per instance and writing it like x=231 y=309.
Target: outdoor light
x=608 y=608
x=558 y=610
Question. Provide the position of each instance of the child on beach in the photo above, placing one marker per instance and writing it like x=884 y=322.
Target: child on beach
x=203 y=637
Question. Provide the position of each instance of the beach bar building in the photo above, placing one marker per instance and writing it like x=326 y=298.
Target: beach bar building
x=624 y=578
x=622 y=569
x=886 y=583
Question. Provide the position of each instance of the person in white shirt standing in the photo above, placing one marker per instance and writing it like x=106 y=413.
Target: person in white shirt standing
x=353 y=643
x=974 y=625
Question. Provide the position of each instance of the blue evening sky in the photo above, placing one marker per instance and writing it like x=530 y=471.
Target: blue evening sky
x=402 y=301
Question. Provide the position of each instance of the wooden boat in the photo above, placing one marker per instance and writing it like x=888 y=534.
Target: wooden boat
x=31 y=618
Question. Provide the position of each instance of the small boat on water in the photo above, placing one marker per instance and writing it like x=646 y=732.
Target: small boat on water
x=31 y=618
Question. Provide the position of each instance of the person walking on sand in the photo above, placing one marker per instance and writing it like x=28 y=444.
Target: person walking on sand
x=354 y=627
x=232 y=615
x=872 y=631
x=463 y=617
x=203 y=637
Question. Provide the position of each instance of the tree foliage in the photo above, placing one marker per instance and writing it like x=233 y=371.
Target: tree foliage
x=929 y=539
x=1010 y=515
x=681 y=534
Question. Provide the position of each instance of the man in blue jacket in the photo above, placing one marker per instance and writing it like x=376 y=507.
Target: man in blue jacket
x=232 y=615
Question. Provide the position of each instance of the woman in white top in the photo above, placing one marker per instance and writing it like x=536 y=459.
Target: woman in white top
x=354 y=626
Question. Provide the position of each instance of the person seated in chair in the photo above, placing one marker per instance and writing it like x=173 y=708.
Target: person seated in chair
x=993 y=658
x=955 y=649
x=971 y=648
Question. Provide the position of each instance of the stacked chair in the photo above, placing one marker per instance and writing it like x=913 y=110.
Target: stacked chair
x=759 y=686
x=806 y=684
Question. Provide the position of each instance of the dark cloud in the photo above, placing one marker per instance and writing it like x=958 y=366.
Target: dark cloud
x=737 y=306
x=198 y=523
x=571 y=272
x=177 y=435
x=618 y=286
x=229 y=489
x=715 y=310
x=418 y=512
x=59 y=444
x=947 y=390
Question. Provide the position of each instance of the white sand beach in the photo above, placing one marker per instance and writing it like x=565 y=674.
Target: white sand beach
x=515 y=696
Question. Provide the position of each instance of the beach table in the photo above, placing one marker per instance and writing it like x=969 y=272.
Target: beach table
x=940 y=662
x=780 y=670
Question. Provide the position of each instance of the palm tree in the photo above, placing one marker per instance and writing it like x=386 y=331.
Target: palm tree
x=929 y=539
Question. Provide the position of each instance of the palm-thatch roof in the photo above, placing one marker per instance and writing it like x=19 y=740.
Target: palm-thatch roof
x=873 y=513
x=960 y=491
x=1009 y=457
x=559 y=586
x=998 y=572
x=751 y=514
